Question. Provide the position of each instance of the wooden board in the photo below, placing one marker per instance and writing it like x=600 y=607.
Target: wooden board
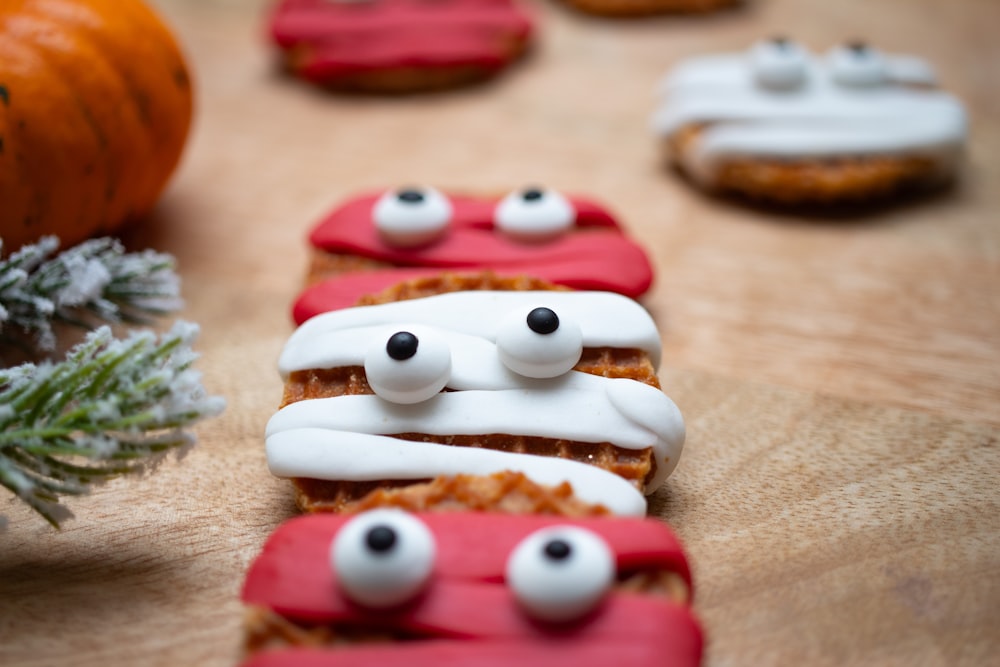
x=840 y=377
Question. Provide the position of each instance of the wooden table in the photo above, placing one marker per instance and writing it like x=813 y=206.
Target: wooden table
x=840 y=377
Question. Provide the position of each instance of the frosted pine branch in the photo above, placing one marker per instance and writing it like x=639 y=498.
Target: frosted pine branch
x=112 y=407
x=96 y=281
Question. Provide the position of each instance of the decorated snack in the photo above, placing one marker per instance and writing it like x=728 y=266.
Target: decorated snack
x=399 y=46
x=376 y=241
x=648 y=7
x=387 y=587
x=558 y=385
x=780 y=124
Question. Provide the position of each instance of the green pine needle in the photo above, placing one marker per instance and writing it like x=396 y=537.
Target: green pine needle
x=112 y=407
x=91 y=283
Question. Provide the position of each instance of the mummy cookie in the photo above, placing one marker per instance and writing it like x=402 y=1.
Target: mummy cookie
x=375 y=241
x=781 y=124
x=399 y=46
x=388 y=587
x=557 y=385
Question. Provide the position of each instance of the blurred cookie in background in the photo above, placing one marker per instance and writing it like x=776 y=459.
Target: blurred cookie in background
x=782 y=125
x=399 y=46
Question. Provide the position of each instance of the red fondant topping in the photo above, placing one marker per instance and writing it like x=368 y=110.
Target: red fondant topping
x=478 y=610
x=470 y=241
x=332 y=38
x=595 y=255
x=293 y=572
x=468 y=604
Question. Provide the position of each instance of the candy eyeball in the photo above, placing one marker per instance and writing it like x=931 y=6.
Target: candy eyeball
x=411 y=217
x=383 y=558
x=408 y=366
x=779 y=64
x=536 y=343
x=560 y=573
x=534 y=214
x=855 y=64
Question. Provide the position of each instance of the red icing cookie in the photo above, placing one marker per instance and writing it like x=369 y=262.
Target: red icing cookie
x=569 y=241
x=399 y=45
x=489 y=589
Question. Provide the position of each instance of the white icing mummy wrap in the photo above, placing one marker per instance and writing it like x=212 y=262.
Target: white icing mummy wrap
x=607 y=320
x=323 y=454
x=780 y=101
x=349 y=437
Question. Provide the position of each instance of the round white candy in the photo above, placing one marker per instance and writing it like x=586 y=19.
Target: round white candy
x=383 y=558
x=534 y=215
x=530 y=348
x=409 y=366
x=857 y=65
x=560 y=573
x=412 y=216
x=779 y=64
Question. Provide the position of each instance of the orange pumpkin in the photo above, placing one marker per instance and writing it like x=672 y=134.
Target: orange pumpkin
x=95 y=105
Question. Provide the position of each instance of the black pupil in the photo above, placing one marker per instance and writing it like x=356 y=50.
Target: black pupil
x=858 y=47
x=380 y=539
x=558 y=550
x=402 y=345
x=531 y=194
x=543 y=320
x=410 y=196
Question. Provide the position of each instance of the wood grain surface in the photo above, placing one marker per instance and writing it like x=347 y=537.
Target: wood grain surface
x=839 y=375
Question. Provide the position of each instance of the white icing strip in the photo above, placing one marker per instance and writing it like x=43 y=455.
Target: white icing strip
x=475 y=363
x=732 y=72
x=625 y=413
x=606 y=319
x=820 y=118
x=909 y=70
x=787 y=139
x=335 y=455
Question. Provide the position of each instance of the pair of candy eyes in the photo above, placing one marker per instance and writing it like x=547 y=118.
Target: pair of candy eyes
x=417 y=216
x=385 y=558
x=783 y=64
x=412 y=366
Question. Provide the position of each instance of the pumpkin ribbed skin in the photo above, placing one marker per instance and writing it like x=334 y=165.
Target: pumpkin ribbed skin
x=95 y=106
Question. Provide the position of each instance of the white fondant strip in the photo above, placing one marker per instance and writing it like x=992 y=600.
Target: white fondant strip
x=625 y=413
x=732 y=71
x=338 y=455
x=784 y=141
x=653 y=409
x=475 y=363
x=904 y=119
x=606 y=319
x=910 y=71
